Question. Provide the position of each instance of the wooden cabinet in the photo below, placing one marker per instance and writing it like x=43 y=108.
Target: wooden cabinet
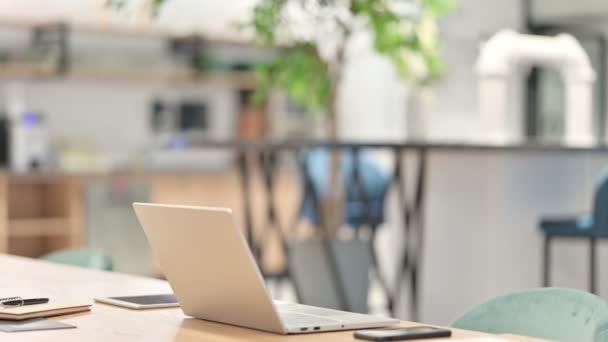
x=39 y=214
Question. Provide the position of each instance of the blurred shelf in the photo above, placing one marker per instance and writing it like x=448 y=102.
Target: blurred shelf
x=236 y=79
x=27 y=70
x=36 y=227
x=244 y=79
x=101 y=27
x=56 y=33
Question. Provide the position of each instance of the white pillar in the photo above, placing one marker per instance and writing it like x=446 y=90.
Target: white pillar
x=496 y=112
x=499 y=61
x=579 y=114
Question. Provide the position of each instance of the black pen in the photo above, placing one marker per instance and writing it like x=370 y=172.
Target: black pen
x=21 y=302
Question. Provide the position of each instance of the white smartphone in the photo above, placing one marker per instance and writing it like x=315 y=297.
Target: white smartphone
x=142 y=302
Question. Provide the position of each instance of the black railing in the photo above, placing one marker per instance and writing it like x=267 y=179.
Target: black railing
x=410 y=203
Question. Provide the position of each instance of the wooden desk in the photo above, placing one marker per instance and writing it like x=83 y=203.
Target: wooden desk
x=107 y=323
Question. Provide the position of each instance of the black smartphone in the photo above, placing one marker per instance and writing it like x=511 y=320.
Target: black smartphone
x=400 y=334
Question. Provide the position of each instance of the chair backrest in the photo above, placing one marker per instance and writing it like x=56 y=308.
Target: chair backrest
x=600 y=204
x=82 y=257
x=373 y=180
x=548 y=313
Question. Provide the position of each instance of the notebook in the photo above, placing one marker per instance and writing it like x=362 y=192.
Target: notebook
x=52 y=308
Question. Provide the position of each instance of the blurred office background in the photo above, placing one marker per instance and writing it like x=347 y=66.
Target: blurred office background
x=101 y=107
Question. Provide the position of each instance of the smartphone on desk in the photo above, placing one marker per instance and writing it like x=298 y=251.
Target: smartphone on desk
x=401 y=334
x=142 y=302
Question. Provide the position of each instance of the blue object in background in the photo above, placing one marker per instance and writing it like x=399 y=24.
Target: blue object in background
x=179 y=143
x=595 y=225
x=30 y=120
x=356 y=212
x=591 y=227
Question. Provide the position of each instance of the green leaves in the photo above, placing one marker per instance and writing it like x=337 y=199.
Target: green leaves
x=384 y=23
x=438 y=7
x=301 y=73
x=408 y=39
x=266 y=18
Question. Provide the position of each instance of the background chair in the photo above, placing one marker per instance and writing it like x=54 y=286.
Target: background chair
x=341 y=266
x=82 y=257
x=548 y=313
x=365 y=185
x=591 y=227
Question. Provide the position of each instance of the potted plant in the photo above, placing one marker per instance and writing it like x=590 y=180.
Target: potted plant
x=314 y=36
x=311 y=38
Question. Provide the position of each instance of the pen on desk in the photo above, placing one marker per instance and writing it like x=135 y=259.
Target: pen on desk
x=22 y=302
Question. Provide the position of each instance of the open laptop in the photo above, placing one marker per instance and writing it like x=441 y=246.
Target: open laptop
x=204 y=256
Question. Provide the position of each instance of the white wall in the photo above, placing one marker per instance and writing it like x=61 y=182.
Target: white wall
x=373 y=97
x=454 y=113
x=115 y=119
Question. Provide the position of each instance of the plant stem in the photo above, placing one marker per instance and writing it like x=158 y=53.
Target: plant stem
x=334 y=204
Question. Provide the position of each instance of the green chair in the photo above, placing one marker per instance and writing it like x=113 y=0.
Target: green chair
x=83 y=257
x=548 y=313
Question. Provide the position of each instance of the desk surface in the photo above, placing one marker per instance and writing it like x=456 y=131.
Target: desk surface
x=107 y=323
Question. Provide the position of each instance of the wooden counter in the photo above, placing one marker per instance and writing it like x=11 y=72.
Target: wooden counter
x=39 y=217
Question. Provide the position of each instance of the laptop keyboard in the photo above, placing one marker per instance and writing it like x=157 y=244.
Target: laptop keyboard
x=294 y=319
x=298 y=315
